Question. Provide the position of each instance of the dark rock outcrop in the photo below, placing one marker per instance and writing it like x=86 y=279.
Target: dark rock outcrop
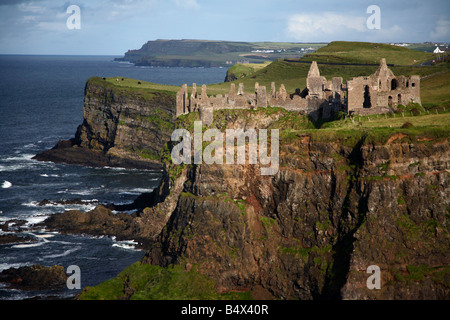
x=122 y=127
x=35 y=277
x=13 y=238
x=99 y=221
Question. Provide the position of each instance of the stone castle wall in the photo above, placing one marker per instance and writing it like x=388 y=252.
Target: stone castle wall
x=381 y=91
x=377 y=93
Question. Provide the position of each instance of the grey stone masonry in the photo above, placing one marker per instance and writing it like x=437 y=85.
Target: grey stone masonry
x=374 y=94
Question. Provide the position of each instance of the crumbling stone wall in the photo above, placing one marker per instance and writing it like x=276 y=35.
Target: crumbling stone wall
x=377 y=93
x=381 y=91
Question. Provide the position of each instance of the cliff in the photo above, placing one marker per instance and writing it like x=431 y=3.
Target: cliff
x=352 y=194
x=340 y=202
x=122 y=126
x=313 y=229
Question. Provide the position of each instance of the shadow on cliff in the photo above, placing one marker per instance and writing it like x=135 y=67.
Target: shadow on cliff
x=146 y=200
x=351 y=218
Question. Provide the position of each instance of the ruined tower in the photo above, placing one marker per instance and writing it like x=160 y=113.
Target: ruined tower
x=381 y=91
x=314 y=82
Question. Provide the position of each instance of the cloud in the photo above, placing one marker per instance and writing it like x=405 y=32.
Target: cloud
x=442 y=30
x=330 y=26
x=31 y=7
x=324 y=26
x=187 y=4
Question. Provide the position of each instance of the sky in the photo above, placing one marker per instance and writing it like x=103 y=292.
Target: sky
x=111 y=27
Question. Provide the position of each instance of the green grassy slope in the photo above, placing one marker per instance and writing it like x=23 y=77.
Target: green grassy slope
x=367 y=53
x=147 y=282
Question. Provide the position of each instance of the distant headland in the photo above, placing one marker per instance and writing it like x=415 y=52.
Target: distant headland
x=212 y=53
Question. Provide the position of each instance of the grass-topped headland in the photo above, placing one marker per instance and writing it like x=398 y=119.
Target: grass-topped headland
x=211 y=53
x=128 y=86
x=352 y=59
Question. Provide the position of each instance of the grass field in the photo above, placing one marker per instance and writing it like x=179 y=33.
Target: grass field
x=139 y=84
x=436 y=90
x=149 y=282
x=367 y=53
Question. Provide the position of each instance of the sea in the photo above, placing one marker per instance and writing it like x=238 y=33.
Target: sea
x=41 y=102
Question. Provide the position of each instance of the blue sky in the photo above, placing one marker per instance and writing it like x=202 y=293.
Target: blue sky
x=111 y=27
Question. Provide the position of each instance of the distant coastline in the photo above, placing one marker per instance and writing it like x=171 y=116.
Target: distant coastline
x=207 y=53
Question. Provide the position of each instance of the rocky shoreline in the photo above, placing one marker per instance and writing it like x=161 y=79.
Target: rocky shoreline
x=70 y=152
x=35 y=278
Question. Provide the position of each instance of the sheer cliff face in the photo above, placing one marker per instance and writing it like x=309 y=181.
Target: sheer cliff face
x=312 y=230
x=125 y=122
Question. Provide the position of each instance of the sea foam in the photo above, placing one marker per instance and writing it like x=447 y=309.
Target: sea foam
x=6 y=184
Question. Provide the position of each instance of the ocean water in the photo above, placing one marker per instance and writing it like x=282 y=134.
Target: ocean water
x=41 y=102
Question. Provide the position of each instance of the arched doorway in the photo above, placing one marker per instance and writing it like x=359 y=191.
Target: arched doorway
x=390 y=101
x=399 y=99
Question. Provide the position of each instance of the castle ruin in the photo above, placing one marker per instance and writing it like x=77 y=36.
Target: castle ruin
x=378 y=93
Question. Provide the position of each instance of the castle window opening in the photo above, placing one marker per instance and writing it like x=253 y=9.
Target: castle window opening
x=393 y=84
x=366 y=103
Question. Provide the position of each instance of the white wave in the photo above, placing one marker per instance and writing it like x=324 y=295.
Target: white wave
x=65 y=253
x=86 y=205
x=28 y=146
x=137 y=191
x=6 y=184
x=90 y=201
x=80 y=207
x=31 y=204
x=22 y=157
x=44 y=236
x=30 y=245
x=84 y=192
x=126 y=244
x=36 y=219
x=14 y=167
x=5 y=266
x=117 y=168
x=66 y=242
x=4 y=219
x=46 y=175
